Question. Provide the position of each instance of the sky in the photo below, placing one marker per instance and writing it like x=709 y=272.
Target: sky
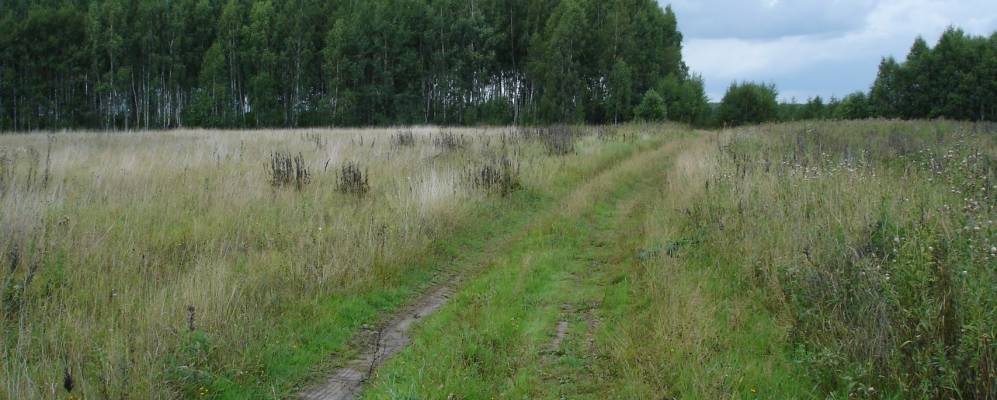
x=813 y=47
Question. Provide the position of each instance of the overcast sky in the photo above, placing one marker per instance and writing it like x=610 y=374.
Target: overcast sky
x=813 y=47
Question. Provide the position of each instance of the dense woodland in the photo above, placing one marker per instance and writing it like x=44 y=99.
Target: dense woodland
x=138 y=64
x=126 y=64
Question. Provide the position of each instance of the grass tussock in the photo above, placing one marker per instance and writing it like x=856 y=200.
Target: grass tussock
x=288 y=170
x=353 y=180
x=403 y=138
x=500 y=174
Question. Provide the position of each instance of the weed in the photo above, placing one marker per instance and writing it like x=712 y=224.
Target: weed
x=353 y=180
x=403 y=139
x=288 y=170
x=557 y=140
x=449 y=141
x=500 y=174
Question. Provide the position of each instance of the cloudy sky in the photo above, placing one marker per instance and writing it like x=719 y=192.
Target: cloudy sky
x=813 y=47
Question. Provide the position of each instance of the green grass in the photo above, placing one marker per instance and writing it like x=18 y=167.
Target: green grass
x=493 y=340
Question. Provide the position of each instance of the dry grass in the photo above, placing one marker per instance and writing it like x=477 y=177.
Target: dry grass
x=123 y=241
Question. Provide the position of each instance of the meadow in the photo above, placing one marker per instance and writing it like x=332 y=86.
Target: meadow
x=192 y=263
x=833 y=259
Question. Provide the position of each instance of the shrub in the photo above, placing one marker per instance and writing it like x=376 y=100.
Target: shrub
x=651 y=108
x=500 y=174
x=353 y=180
x=403 y=139
x=748 y=103
x=288 y=170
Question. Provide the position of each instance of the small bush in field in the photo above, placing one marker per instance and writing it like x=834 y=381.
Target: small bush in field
x=501 y=174
x=287 y=170
x=353 y=180
x=557 y=140
x=403 y=139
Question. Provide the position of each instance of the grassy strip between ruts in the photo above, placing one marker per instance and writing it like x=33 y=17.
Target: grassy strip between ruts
x=305 y=340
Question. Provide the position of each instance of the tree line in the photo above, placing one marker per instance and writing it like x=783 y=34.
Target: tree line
x=956 y=79
x=140 y=64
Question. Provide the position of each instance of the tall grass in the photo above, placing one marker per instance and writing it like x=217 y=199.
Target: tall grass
x=143 y=265
x=873 y=241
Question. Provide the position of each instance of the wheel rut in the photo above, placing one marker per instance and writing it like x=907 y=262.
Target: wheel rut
x=347 y=381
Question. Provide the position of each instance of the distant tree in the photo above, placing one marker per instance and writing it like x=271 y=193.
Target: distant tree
x=916 y=81
x=790 y=111
x=652 y=108
x=620 y=91
x=853 y=106
x=814 y=109
x=887 y=90
x=955 y=79
x=748 y=103
x=558 y=65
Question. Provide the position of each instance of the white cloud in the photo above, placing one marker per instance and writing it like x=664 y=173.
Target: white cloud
x=810 y=47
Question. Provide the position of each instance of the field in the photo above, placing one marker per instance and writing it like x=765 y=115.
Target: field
x=803 y=260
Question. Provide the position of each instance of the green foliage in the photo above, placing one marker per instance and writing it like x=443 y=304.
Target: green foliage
x=685 y=99
x=620 y=92
x=853 y=106
x=651 y=108
x=140 y=64
x=559 y=66
x=814 y=109
x=955 y=80
x=748 y=103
